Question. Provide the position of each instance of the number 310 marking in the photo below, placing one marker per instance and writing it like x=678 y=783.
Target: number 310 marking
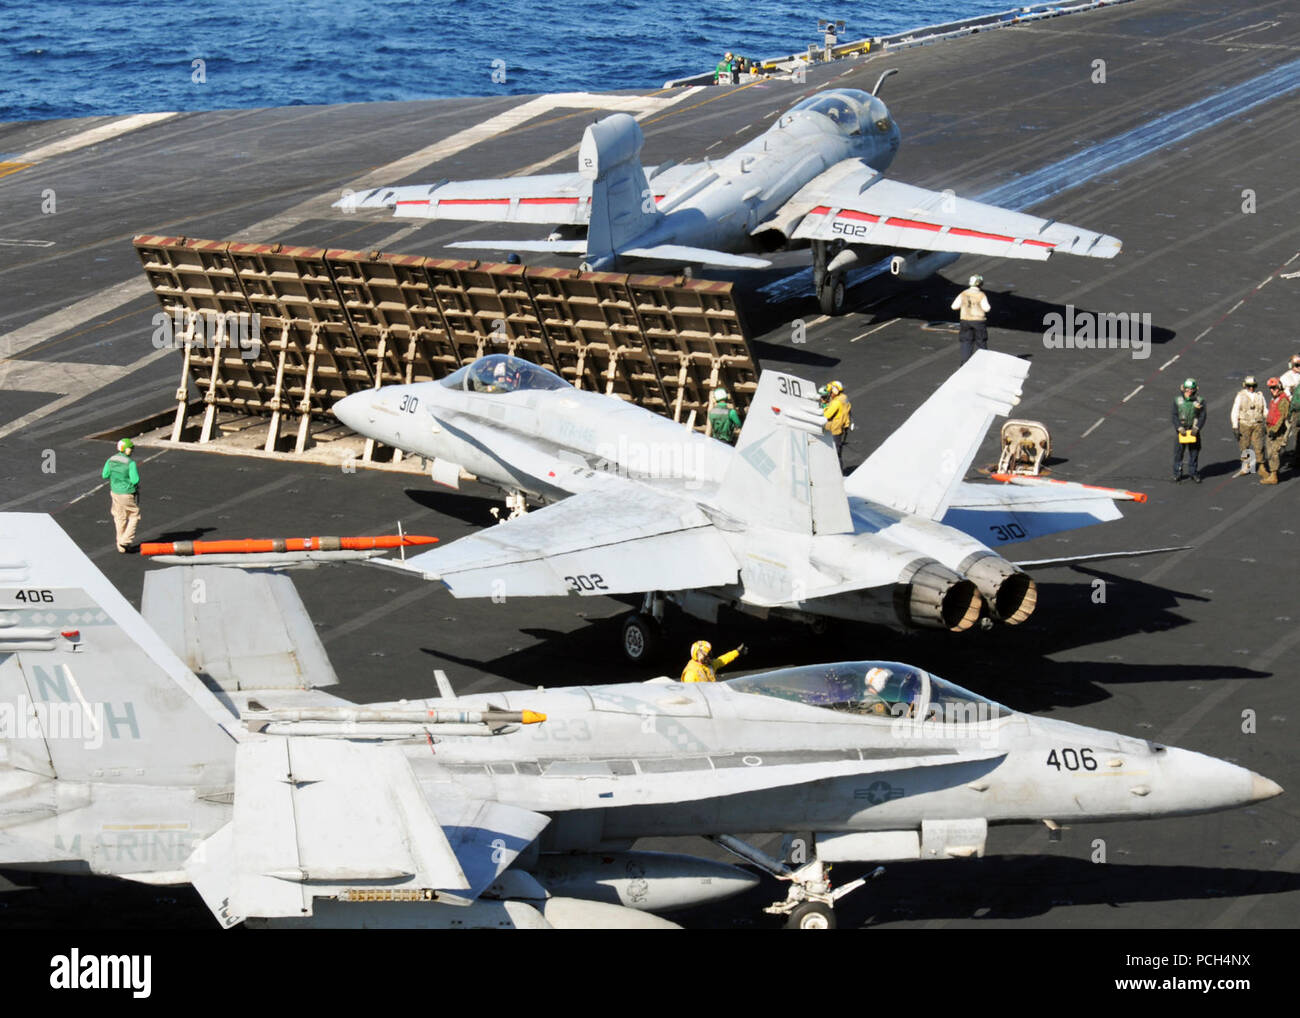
x=1010 y=532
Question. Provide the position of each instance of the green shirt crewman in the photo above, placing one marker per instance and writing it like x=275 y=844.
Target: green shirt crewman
x=724 y=422
x=123 y=478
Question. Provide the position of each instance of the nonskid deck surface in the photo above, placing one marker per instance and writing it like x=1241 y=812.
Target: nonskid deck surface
x=1180 y=646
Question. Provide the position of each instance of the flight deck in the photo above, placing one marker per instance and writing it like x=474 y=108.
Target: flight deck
x=1168 y=124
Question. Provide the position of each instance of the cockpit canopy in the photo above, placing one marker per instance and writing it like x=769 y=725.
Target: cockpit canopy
x=851 y=110
x=885 y=688
x=499 y=372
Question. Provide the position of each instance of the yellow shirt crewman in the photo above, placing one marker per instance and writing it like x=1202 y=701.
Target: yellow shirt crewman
x=702 y=668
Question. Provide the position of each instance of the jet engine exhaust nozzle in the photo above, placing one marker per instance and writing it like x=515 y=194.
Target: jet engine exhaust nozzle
x=1010 y=593
x=932 y=595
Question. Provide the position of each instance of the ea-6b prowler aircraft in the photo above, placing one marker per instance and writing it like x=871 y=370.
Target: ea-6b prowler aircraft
x=814 y=178
x=198 y=751
x=770 y=526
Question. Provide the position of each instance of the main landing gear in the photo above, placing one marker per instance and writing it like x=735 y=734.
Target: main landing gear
x=810 y=902
x=643 y=631
x=829 y=285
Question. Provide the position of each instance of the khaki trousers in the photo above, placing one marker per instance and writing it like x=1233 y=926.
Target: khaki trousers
x=126 y=517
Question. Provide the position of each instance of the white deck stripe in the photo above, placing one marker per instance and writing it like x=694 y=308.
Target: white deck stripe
x=93 y=136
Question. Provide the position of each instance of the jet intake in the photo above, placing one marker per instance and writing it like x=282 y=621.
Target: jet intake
x=1010 y=593
x=933 y=596
x=918 y=266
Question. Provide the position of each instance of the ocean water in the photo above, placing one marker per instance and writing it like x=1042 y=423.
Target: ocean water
x=76 y=58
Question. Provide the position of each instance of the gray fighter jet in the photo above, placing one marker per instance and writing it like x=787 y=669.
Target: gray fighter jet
x=769 y=527
x=815 y=178
x=284 y=805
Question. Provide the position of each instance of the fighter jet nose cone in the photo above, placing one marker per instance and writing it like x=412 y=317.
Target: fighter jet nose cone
x=351 y=410
x=1262 y=788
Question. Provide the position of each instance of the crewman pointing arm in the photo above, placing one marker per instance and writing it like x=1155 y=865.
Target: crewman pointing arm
x=702 y=668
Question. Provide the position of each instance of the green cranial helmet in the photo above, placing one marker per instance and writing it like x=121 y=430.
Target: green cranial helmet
x=1189 y=383
x=125 y=445
x=719 y=395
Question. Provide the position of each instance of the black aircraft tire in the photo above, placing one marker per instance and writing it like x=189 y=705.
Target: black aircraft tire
x=811 y=915
x=831 y=296
x=641 y=638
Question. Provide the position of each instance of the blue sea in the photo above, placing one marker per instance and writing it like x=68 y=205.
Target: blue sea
x=77 y=58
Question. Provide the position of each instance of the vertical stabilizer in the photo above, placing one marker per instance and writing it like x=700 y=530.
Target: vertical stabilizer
x=918 y=468
x=93 y=693
x=785 y=473
x=622 y=204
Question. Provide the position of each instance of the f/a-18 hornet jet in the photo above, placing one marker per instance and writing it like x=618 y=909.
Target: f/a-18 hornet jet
x=814 y=178
x=196 y=748
x=643 y=504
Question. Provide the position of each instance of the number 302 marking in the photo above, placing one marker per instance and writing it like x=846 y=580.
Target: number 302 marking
x=586 y=581
x=1011 y=532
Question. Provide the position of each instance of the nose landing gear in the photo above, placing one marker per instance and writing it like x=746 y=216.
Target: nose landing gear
x=810 y=902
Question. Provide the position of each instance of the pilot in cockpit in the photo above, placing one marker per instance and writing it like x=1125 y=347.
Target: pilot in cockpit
x=894 y=694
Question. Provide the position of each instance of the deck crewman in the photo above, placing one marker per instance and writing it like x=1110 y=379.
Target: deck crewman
x=974 y=308
x=123 y=478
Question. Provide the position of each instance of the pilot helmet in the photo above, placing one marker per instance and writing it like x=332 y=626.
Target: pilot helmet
x=876 y=679
x=700 y=650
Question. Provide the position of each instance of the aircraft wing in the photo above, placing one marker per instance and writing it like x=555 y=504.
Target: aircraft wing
x=854 y=203
x=320 y=817
x=558 y=198
x=606 y=541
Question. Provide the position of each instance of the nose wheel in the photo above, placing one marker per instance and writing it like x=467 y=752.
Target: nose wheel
x=810 y=901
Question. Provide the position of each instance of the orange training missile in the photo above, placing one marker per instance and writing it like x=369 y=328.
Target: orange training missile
x=280 y=544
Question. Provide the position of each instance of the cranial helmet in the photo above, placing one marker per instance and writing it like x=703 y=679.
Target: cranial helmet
x=976 y=280
x=700 y=649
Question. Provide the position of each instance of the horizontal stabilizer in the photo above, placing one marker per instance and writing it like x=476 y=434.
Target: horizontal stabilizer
x=249 y=630
x=553 y=246
x=1003 y=514
x=703 y=255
